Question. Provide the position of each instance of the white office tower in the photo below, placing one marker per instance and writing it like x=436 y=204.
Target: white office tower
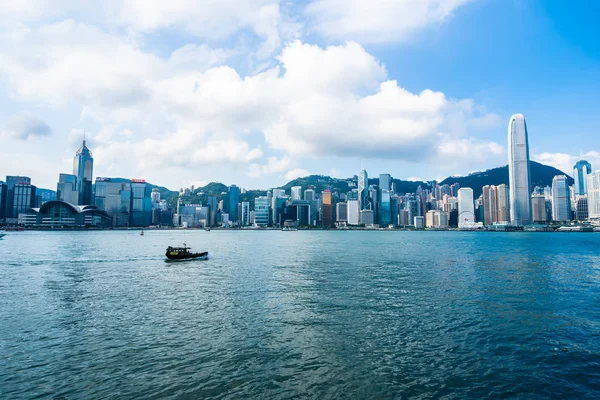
x=593 y=192
x=353 y=212
x=561 y=199
x=466 y=208
x=296 y=192
x=518 y=171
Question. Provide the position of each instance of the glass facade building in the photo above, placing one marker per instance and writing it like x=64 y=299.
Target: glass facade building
x=66 y=189
x=466 y=208
x=261 y=211
x=115 y=199
x=385 y=208
x=518 y=171
x=561 y=199
x=230 y=205
x=580 y=171
x=364 y=199
x=83 y=167
x=141 y=203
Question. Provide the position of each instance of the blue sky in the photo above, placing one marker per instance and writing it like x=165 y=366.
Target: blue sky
x=256 y=92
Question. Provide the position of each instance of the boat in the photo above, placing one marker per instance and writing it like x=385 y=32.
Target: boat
x=142 y=233
x=183 y=253
x=2 y=235
x=207 y=229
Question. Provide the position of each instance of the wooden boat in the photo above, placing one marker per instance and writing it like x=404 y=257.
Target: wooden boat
x=183 y=253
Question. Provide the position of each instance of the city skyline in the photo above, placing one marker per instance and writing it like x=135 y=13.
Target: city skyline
x=279 y=90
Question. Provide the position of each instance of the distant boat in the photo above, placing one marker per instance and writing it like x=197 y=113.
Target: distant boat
x=183 y=253
x=2 y=235
x=289 y=228
x=207 y=229
x=142 y=233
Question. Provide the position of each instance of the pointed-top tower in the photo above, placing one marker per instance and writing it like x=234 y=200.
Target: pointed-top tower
x=83 y=168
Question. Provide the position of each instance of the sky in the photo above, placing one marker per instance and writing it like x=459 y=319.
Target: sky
x=259 y=92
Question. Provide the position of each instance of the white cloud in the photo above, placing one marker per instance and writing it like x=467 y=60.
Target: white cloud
x=565 y=162
x=377 y=20
x=296 y=173
x=188 y=109
x=26 y=127
x=274 y=165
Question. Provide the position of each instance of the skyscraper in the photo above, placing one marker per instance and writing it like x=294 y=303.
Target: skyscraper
x=538 y=208
x=385 y=181
x=561 y=199
x=232 y=198
x=385 y=208
x=261 y=211
x=83 y=168
x=518 y=171
x=327 y=208
x=580 y=170
x=489 y=205
x=502 y=204
x=296 y=192
x=593 y=189
x=466 y=208
x=363 y=191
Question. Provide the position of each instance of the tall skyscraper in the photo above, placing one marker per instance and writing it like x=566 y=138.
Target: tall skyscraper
x=385 y=181
x=353 y=211
x=20 y=196
x=580 y=170
x=518 y=171
x=232 y=198
x=489 y=205
x=296 y=192
x=561 y=199
x=327 y=208
x=261 y=211
x=363 y=191
x=66 y=189
x=245 y=217
x=83 y=168
x=341 y=212
x=502 y=204
x=538 y=208
x=466 y=208
x=593 y=189
x=385 y=208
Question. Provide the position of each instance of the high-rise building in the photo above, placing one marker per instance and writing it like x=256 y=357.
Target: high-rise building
x=326 y=208
x=353 y=211
x=581 y=210
x=593 y=189
x=83 y=168
x=385 y=181
x=309 y=195
x=230 y=206
x=66 y=189
x=489 y=205
x=502 y=204
x=363 y=191
x=296 y=192
x=384 y=213
x=561 y=199
x=518 y=171
x=466 y=208
x=115 y=199
x=261 y=211
x=538 y=208
x=16 y=188
x=580 y=170
x=155 y=195
x=141 y=203
x=341 y=211
x=245 y=214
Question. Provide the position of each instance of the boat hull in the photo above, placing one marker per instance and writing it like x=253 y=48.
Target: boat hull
x=190 y=256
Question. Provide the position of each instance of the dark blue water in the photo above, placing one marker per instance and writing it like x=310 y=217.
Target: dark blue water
x=300 y=314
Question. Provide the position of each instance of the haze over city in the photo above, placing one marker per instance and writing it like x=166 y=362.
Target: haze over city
x=259 y=92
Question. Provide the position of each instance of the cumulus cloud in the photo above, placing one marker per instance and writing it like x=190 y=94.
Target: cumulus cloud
x=191 y=108
x=377 y=21
x=26 y=127
x=296 y=173
x=565 y=162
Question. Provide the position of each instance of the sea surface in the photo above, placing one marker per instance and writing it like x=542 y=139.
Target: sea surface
x=306 y=314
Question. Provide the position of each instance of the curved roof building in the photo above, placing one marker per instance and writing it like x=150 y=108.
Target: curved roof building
x=518 y=171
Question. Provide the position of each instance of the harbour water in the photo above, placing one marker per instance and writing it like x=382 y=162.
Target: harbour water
x=315 y=314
